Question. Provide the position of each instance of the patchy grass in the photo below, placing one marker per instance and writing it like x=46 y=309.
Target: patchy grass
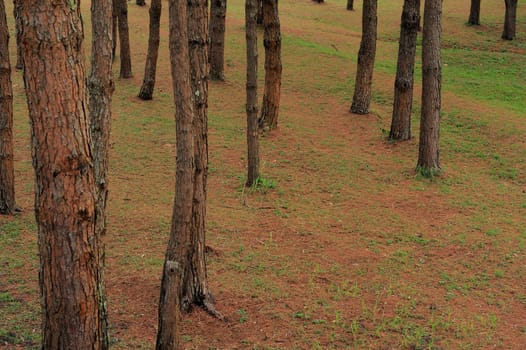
x=341 y=245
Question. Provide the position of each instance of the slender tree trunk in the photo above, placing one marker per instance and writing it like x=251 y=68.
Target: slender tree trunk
x=194 y=281
x=272 y=43
x=510 y=20
x=146 y=92
x=474 y=13
x=403 y=96
x=124 y=39
x=7 y=175
x=168 y=335
x=217 y=39
x=65 y=193
x=140 y=2
x=252 y=91
x=350 y=5
x=18 y=26
x=100 y=85
x=114 y=28
x=260 y=12
x=366 y=55
x=428 y=155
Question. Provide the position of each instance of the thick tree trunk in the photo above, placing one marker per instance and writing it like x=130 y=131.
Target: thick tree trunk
x=428 y=155
x=272 y=43
x=474 y=13
x=18 y=26
x=194 y=282
x=403 y=96
x=65 y=192
x=124 y=40
x=146 y=92
x=7 y=175
x=140 y=2
x=217 y=39
x=252 y=91
x=100 y=85
x=114 y=28
x=168 y=335
x=510 y=20
x=366 y=55
x=350 y=5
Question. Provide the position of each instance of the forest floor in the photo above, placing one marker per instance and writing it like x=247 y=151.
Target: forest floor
x=342 y=246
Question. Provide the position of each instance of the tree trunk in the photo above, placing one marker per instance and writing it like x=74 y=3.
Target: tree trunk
x=403 y=96
x=100 y=85
x=272 y=42
x=510 y=20
x=350 y=5
x=140 y=2
x=146 y=92
x=168 y=335
x=124 y=39
x=114 y=28
x=217 y=39
x=18 y=26
x=194 y=282
x=428 y=155
x=474 y=13
x=252 y=91
x=7 y=174
x=65 y=192
x=260 y=12
x=366 y=55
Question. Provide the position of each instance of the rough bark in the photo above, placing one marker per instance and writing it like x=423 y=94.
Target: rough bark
x=350 y=5
x=428 y=155
x=272 y=42
x=366 y=56
x=17 y=5
x=146 y=92
x=124 y=40
x=217 y=39
x=7 y=175
x=65 y=193
x=168 y=336
x=194 y=280
x=510 y=20
x=474 y=13
x=403 y=96
x=100 y=85
x=140 y=2
x=252 y=91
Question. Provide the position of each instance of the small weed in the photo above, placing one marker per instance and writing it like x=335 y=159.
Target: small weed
x=243 y=315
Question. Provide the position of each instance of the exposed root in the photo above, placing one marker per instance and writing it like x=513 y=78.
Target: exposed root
x=208 y=306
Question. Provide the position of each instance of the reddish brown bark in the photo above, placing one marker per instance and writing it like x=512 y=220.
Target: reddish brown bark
x=65 y=192
x=366 y=56
x=114 y=28
x=146 y=92
x=7 y=175
x=194 y=280
x=428 y=150
x=272 y=42
x=252 y=91
x=474 y=13
x=403 y=96
x=217 y=39
x=510 y=20
x=124 y=39
x=100 y=84
x=168 y=335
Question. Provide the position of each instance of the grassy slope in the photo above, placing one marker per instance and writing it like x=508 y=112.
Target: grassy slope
x=349 y=249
